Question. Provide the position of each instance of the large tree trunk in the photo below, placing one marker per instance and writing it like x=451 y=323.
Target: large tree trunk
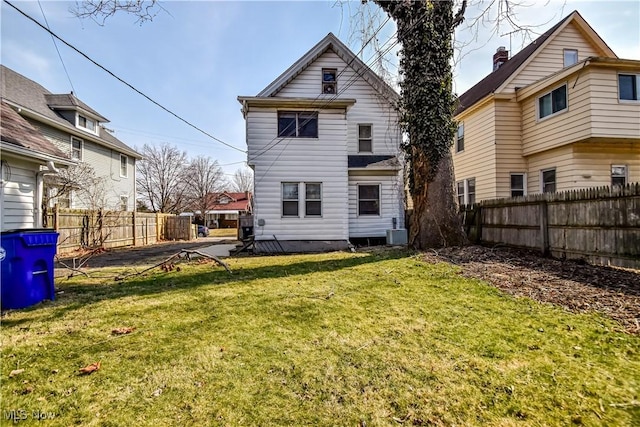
x=425 y=29
x=435 y=222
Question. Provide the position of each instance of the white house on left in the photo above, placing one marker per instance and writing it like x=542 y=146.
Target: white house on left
x=77 y=133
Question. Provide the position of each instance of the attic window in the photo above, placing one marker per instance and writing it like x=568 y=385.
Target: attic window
x=329 y=83
x=570 y=57
x=86 y=123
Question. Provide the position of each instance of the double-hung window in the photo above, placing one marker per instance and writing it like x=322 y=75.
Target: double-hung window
x=313 y=199
x=628 y=85
x=552 y=102
x=548 y=180
x=460 y=138
x=124 y=203
x=466 y=190
x=518 y=184
x=123 y=166
x=368 y=199
x=618 y=175
x=365 y=139
x=297 y=124
x=329 y=81
x=76 y=148
x=290 y=199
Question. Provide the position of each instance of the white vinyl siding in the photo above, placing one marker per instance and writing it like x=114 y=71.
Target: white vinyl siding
x=369 y=106
x=391 y=191
x=323 y=160
x=18 y=194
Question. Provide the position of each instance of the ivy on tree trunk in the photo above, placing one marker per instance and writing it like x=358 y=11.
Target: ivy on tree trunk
x=425 y=30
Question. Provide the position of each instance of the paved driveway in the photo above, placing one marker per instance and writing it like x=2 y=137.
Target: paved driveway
x=153 y=254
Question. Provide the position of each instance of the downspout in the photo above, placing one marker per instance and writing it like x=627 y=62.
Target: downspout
x=51 y=169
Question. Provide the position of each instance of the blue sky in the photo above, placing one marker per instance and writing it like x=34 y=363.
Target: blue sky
x=198 y=56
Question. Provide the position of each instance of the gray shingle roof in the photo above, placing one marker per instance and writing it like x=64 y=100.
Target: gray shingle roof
x=14 y=129
x=362 y=161
x=30 y=95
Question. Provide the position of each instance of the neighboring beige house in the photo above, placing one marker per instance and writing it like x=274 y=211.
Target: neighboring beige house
x=562 y=114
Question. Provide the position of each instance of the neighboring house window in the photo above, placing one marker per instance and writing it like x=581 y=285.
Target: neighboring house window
x=124 y=203
x=123 y=165
x=313 y=199
x=461 y=192
x=460 y=138
x=466 y=191
x=289 y=199
x=628 y=86
x=518 y=184
x=618 y=175
x=570 y=57
x=548 y=180
x=365 y=139
x=86 y=123
x=329 y=83
x=297 y=124
x=471 y=191
x=553 y=102
x=76 y=148
x=368 y=199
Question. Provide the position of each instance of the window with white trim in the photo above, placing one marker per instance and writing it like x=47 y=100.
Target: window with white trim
x=518 y=187
x=368 y=199
x=76 y=148
x=570 y=57
x=466 y=190
x=84 y=122
x=460 y=138
x=329 y=81
x=124 y=203
x=290 y=198
x=365 y=138
x=618 y=175
x=124 y=170
x=313 y=199
x=548 y=180
x=297 y=124
x=552 y=102
x=628 y=85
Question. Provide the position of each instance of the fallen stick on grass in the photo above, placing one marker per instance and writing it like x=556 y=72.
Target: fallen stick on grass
x=166 y=261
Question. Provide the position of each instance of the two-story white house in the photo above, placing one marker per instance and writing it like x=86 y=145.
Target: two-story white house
x=324 y=143
x=77 y=131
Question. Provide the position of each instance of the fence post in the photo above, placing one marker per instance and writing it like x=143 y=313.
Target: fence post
x=56 y=219
x=478 y=219
x=135 y=226
x=544 y=228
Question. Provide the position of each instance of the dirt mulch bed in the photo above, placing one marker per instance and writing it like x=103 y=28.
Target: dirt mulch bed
x=576 y=286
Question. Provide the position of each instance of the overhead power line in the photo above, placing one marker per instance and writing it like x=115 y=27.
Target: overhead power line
x=56 y=46
x=123 y=81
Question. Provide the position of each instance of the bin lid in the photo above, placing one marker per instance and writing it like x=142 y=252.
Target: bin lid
x=28 y=230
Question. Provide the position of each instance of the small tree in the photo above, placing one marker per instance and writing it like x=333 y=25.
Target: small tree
x=242 y=180
x=203 y=176
x=160 y=178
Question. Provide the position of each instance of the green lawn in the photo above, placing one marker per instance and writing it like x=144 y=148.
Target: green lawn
x=335 y=339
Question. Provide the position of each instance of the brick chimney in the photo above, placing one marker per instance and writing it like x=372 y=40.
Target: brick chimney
x=500 y=57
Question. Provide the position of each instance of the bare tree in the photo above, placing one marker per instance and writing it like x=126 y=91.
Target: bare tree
x=100 y=10
x=160 y=178
x=60 y=187
x=242 y=180
x=203 y=177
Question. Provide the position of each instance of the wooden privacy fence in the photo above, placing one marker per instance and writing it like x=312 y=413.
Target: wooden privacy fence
x=106 y=229
x=599 y=225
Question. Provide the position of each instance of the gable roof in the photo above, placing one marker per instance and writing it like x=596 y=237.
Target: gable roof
x=15 y=130
x=499 y=77
x=330 y=42
x=239 y=201
x=26 y=94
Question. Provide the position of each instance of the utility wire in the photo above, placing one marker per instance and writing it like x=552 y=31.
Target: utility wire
x=123 y=81
x=56 y=46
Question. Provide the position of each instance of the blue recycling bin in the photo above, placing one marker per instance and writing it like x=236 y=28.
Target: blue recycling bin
x=26 y=267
